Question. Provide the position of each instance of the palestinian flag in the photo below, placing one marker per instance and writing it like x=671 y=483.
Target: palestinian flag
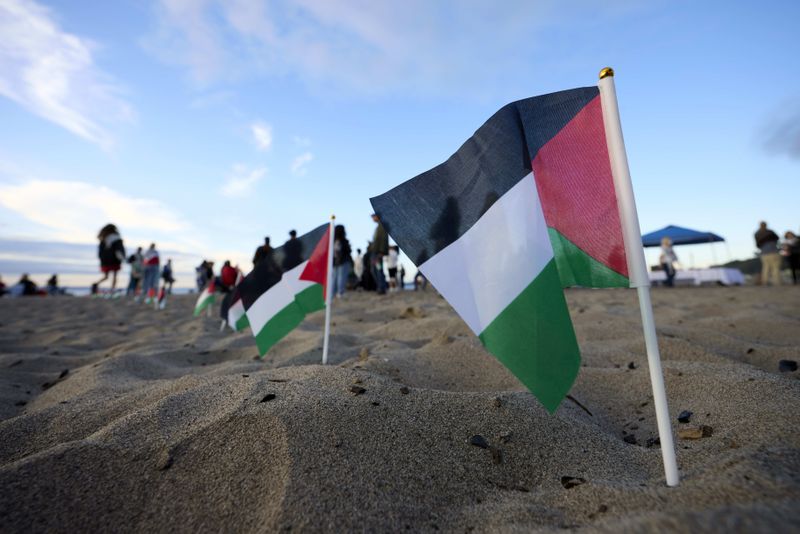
x=205 y=299
x=285 y=286
x=524 y=208
x=232 y=311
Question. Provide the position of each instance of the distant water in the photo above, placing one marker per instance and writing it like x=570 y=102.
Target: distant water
x=85 y=291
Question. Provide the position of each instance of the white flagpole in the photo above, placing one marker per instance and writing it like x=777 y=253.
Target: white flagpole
x=328 y=293
x=637 y=268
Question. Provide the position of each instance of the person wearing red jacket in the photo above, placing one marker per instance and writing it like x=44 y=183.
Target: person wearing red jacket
x=227 y=276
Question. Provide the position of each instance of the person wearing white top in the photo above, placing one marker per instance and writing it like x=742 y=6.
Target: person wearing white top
x=391 y=264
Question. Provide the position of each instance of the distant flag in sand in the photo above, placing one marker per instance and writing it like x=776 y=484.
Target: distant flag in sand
x=285 y=286
x=161 y=303
x=232 y=311
x=525 y=207
x=206 y=298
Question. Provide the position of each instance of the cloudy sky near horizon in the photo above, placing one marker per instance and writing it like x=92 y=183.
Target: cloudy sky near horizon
x=204 y=125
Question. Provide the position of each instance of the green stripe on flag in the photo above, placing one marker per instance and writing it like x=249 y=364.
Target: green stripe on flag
x=241 y=323
x=310 y=299
x=534 y=339
x=286 y=320
x=576 y=268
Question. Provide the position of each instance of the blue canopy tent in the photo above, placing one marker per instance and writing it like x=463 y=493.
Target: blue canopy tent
x=682 y=236
x=679 y=236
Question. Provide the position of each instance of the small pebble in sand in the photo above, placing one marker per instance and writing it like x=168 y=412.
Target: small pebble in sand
x=268 y=397
x=357 y=390
x=165 y=461
x=412 y=312
x=685 y=416
x=652 y=442
x=696 y=432
x=631 y=365
x=479 y=441
x=630 y=438
x=787 y=366
x=497 y=402
x=571 y=482
x=751 y=350
x=404 y=390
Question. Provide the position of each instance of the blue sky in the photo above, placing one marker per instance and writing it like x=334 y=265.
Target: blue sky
x=205 y=125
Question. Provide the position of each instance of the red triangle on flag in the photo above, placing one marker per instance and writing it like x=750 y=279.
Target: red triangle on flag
x=317 y=268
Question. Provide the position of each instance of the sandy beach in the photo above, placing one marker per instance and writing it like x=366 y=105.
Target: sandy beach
x=117 y=418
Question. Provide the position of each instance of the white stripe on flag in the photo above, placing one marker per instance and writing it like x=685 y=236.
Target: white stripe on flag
x=483 y=271
x=277 y=298
x=235 y=312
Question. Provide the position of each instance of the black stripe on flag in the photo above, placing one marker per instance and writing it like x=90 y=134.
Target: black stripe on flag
x=427 y=213
x=269 y=270
x=230 y=299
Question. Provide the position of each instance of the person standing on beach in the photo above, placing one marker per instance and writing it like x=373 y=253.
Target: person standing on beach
x=391 y=264
x=227 y=276
x=292 y=252
x=342 y=260
x=262 y=252
x=111 y=253
x=358 y=266
x=166 y=275
x=150 y=280
x=791 y=249
x=137 y=270
x=378 y=248
x=767 y=243
x=668 y=260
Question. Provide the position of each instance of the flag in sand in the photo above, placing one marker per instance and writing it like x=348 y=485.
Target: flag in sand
x=205 y=299
x=285 y=286
x=232 y=311
x=525 y=207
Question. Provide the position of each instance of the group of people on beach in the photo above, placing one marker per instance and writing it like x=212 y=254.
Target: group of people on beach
x=26 y=287
x=773 y=253
x=146 y=270
x=366 y=271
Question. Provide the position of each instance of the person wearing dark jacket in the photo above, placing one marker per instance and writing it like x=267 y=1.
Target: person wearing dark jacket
x=378 y=248
x=791 y=249
x=111 y=252
x=262 y=252
x=342 y=260
x=767 y=243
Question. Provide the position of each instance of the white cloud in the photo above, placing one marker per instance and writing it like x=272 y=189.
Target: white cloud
x=262 y=135
x=300 y=164
x=75 y=211
x=241 y=180
x=52 y=73
x=372 y=46
x=301 y=141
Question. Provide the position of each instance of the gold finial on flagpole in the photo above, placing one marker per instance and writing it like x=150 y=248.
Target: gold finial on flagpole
x=333 y=217
x=608 y=71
